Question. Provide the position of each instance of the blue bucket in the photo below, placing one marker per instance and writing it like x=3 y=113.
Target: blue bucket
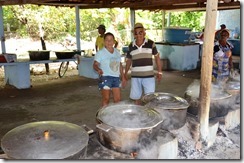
x=236 y=44
x=176 y=35
x=125 y=49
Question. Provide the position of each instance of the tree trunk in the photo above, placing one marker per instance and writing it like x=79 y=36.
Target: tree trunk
x=44 y=48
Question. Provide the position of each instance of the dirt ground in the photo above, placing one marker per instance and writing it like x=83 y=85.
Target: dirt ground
x=76 y=99
x=72 y=98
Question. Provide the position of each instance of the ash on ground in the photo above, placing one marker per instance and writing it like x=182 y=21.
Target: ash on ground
x=227 y=141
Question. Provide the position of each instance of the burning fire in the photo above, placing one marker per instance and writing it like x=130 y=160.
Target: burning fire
x=46 y=134
x=133 y=154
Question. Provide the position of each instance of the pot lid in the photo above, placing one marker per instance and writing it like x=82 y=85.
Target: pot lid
x=164 y=101
x=217 y=91
x=129 y=116
x=233 y=85
x=44 y=140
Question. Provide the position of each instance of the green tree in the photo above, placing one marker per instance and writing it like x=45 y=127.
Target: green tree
x=57 y=22
x=187 y=19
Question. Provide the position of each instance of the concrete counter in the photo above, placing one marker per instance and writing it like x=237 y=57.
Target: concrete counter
x=17 y=73
x=85 y=68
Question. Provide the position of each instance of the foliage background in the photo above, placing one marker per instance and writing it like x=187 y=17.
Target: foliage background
x=57 y=22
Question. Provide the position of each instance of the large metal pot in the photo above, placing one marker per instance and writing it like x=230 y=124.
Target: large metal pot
x=125 y=127
x=220 y=100
x=46 y=140
x=233 y=87
x=172 y=108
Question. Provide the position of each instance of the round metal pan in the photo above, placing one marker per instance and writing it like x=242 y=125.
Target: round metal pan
x=45 y=140
x=164 y=101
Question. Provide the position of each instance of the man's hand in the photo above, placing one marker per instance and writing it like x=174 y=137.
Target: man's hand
x=159 y=76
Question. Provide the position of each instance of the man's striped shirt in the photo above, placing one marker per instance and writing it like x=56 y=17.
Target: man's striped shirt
x=141 y=57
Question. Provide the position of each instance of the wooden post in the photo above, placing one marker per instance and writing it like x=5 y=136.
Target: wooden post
x=206 y=68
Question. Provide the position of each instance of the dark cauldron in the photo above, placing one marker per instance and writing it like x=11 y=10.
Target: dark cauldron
x=37 y=55
x=172 y=108
x=221 y=101
x=66 y=54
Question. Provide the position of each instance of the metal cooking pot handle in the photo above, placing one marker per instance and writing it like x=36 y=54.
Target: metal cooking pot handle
x=3 y=156
x=149 y=130
x=104 y=127
x=88 y=129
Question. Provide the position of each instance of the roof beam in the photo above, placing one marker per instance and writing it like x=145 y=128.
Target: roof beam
x=156 y=5
x=20 y=2
x=190 y=7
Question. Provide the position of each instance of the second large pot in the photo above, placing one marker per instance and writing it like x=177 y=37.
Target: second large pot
x=172 y=108
x=233 y=87
x=125 y=127
x=220 y=100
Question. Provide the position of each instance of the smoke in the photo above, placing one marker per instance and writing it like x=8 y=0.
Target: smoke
x=233 y=87
x=221 y=101
x=193 y=89
x=162 y=146
x=150 y=143
x=126 y=115
x=148 y=148
x=235 y=75
x=217 y=90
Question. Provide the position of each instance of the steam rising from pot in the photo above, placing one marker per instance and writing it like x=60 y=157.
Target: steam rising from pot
x=220 y=101
x=128 y=116
x=152 y=149
x=217 y=90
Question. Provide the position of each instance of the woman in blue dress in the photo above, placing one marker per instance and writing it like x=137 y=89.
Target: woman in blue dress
x=222 y=59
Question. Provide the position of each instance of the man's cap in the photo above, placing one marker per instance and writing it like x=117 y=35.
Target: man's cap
x=101 y=26
x=223 y=25
x=138 y=25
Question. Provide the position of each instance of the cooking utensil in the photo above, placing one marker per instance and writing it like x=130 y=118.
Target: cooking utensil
x=122 y=127
x=172 y=108
x=37 y=55
x=220 y=103
x=46 y=140
x=65 y=54
x=233 y=87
